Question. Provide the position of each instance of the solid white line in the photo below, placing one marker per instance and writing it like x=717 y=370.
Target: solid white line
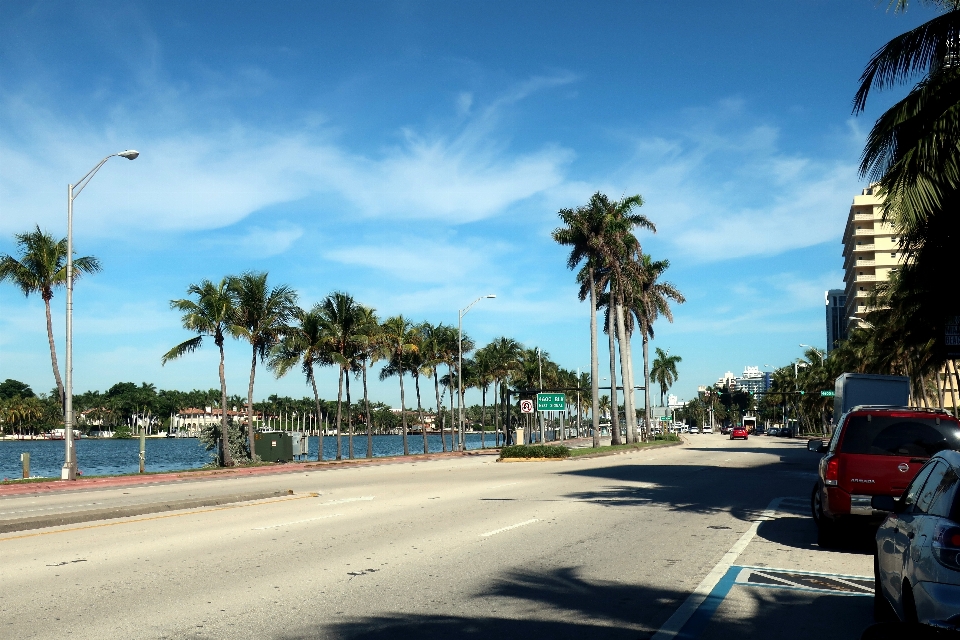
x=672 y=626
x=274 y=526
x=513 y=526
x=343 y=500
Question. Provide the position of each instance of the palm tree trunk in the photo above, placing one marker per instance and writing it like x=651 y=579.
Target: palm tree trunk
x=939 y=388
x=253 y=374
x=53 y=354
x=954 y=387
x=349 y=418
x=646 y=379
x=496 y=414
x=423 y=427
x=339 y=405
x=440 y=419
x=403 y=413
x=629 y=414
x=366 y=405
x=316 y=399
x=614 y=407
x=637 y=435
x=594 y=361
x=453 y=422
x=483 y=415
x=225 y=456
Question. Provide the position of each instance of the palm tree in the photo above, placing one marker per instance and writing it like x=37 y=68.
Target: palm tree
x=368 y=328
x=664 y=371
x=431 y=356
x=340 y=318
x=211 y=315
x=504 y=354
x=42 y=267
x=304 y=342
x=397 y=342
x=649 y=300
x=262 y=318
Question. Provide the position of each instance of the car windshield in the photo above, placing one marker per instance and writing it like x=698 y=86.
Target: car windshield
x=899 y=436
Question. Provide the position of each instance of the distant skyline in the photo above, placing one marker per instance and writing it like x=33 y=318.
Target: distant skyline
x=415 y=155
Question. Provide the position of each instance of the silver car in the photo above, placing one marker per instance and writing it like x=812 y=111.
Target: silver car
x=917 y=560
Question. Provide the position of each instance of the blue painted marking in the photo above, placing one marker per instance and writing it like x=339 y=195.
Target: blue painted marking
x=701 y=617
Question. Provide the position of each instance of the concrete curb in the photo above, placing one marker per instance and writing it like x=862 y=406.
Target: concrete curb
x=602 y=454
x=76 y=517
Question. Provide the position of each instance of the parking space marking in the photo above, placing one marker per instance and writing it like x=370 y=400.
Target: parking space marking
x=716 y=585
x=811 y=581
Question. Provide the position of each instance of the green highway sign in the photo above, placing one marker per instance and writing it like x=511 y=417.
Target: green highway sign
x=827 y=394
x=664 y=418
x=551 y=402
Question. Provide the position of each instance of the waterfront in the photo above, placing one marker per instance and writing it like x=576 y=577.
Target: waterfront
x=113 y=457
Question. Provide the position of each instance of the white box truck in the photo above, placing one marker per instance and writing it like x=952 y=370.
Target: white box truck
x=856 y=389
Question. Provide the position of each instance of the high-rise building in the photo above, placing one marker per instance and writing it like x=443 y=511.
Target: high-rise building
x=870 y=252
x=836 y=303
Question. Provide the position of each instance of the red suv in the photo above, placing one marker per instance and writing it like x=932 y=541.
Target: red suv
x=876 y=450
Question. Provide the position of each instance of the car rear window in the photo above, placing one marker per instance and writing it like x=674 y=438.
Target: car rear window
x=899 y=436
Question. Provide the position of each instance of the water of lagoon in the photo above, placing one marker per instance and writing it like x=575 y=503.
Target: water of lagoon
x=113 y=457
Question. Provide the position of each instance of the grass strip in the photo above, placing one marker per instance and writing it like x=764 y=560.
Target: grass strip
x=587 y=451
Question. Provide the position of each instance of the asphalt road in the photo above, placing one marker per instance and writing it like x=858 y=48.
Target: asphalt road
x=607 y=547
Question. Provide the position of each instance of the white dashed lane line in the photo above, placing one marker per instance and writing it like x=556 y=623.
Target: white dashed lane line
x=513 y=526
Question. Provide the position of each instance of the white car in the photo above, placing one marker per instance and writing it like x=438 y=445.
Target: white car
x=707 y=429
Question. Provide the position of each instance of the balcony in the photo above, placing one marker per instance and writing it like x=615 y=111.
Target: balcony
x=863 y=216
x=866 y=277
x=864 y=247
x=865 y=263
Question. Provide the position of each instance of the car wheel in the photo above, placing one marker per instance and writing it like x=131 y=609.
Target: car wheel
x=909 y=604
x=828 y=533
x=882 y=611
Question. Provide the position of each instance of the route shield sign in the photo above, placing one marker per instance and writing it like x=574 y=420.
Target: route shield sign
x=526 y=406
x=551 y=402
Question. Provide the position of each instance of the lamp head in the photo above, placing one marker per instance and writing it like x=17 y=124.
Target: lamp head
x=129 y=154
x=491 y=295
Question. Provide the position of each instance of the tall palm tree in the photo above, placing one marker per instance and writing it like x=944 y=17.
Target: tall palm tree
x=664 y=371
x=212 y=315
x=650 y=299
x=431 y=355
x=368 y=329
x=42 y=267
x=340 y=323
x=262 y=318
x=397 y=342
x=504 y=354
x=304 y=342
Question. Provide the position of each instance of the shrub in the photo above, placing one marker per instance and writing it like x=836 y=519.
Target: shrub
x=535 y=451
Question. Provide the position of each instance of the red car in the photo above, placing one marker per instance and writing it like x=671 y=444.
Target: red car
x=876 y=450
x=738 y=432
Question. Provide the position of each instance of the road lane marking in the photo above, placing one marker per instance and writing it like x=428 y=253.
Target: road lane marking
x=497 y=486
x=721 y=572
x=513 y=526
x=114 y=523
x=345 y=500
x=286 y=524
x=89 y=504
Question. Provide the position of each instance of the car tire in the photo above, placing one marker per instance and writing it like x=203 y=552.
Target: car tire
x=828 y=531
x=882 y=610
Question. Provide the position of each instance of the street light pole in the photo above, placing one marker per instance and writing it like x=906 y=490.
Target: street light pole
x=69 y=469
x=461 y=435
x=815 y=350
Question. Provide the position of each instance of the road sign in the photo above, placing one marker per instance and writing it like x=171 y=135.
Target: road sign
x=526 y=406
x=551 y=402
x=664 y=418
x=826 y=394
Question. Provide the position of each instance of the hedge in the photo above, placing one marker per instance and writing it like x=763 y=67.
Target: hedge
x=535 y=451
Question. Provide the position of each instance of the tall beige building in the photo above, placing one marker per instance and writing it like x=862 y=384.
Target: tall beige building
x=870 y=251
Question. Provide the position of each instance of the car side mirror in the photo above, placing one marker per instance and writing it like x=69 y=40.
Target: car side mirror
x=818 y=445
x=885 y=503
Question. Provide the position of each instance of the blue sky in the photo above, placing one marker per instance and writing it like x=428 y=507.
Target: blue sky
x=415 y=154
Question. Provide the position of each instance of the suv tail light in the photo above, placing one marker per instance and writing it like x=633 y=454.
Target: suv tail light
x=832 y=471
x=946 y=546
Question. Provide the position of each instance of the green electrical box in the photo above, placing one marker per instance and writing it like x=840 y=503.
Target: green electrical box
x=273 y=446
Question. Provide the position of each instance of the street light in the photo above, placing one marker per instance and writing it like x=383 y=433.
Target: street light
x=69 y=470
x=460 y=432
x=815 y=350
x=867 y=324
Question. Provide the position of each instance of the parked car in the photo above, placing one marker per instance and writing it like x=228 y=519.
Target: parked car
x=738 y=432
x=773 y=431
x=875 y=451
x=707 y=429
x=917 y=560
x=724 y=429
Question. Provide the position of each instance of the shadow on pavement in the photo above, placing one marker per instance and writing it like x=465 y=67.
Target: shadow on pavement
x=560 y=604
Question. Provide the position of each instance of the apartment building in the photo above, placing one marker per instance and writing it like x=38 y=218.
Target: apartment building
x=870 y=251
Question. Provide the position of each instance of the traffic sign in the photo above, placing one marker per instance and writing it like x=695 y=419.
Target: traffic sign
x=526 y=406
x=664 y=418
x=551 y=402
x=827 y=394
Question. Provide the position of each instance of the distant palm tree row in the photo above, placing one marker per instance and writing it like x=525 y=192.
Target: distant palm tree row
x=340 y=332
x=618 y=277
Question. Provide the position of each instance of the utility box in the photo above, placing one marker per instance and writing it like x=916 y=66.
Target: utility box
x=855 y=389
x=273 y=446
x=299 y=444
